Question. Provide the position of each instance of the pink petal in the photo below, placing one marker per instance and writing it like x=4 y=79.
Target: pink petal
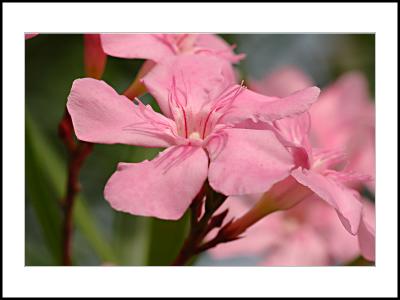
x=362 y=159
x=100 y=115
x=217 y=46
x=245 y=161
x=345 y=103
x=163 y=187
x=30 y=35
x=295 y=129
x=144 y=46
x=249 y=104
x=344 y=117
x=304 y=247
x=261 y=236
x=343 y=199
x=95 y=58
x=196 y=79
x=366 y=233
x=293 y=133
x=282 y=82
x=316 y=213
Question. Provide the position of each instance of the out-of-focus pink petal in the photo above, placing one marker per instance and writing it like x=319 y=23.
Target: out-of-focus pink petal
x=304 y=248
x=263 y=235
x=343 y=199
x=349 y=179
x=247 y=161
x=366 y=233
x=308 y=234
x=362 y=158
x=324 y=160
x=30 y=35
x=340 y=244
x=345 y=103
x=213 y=44
x=345 y=117
x=163 y=187
x=144 y=46
x=196 y=80
x=100 y=115
x=282 y=82
x=95 y=58
x=252 y=105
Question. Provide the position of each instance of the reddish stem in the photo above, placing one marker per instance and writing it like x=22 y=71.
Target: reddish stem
x=201 y=227
x=77 y=151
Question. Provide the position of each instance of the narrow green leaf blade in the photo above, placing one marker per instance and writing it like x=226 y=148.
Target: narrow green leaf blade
x=166 y=238
x=54 y=171
x=41 y=197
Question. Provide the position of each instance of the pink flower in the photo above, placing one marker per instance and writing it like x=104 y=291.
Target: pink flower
x=302 y=229
x=311 y=175
x=309 y=234
x=318 y=173
x=200 y=103
x=343 y=117
x=351 y=114
x=157 y=47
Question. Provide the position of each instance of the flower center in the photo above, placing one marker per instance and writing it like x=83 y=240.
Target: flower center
x=195 y=136
x=197 y=125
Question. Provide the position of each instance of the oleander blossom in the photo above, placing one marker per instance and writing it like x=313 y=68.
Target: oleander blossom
x=312 y=174
x=157 y=47
x=200 y=104
x=311 y=180
x=344 y=115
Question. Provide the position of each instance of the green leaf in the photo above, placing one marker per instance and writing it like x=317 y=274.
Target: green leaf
x=87 y=225
x=360 y=261
x=41 y=197
x=50 y=171
x=165 y=240
x=131 y=239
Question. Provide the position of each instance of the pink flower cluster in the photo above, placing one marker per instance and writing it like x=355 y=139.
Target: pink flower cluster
x=279 y=154
x=337 y=159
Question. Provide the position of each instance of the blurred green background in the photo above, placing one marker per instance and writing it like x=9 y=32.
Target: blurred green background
x=103 y=236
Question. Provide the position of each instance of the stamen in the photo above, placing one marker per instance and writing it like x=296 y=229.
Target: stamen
x=348 y=176
x=185 y=122
x=173 y=96
x=224 y=101
x=181 y=38
x=195 y=135
x=328 y=158
x=149 y=122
